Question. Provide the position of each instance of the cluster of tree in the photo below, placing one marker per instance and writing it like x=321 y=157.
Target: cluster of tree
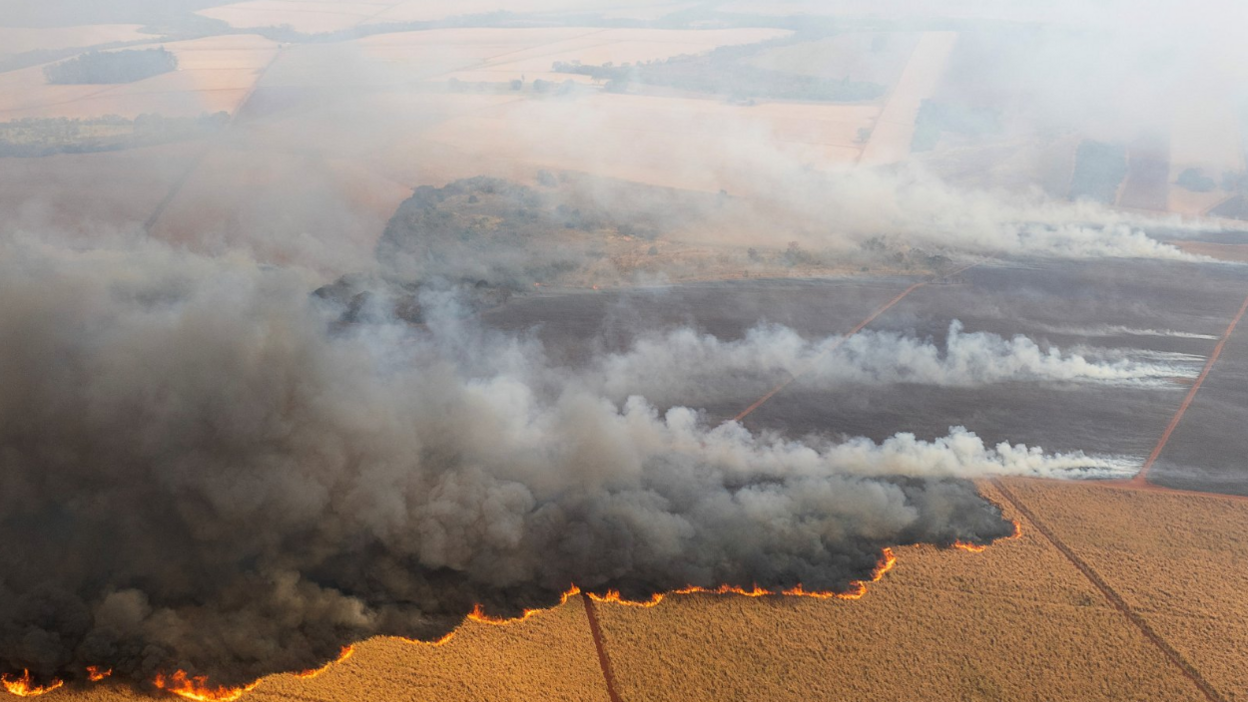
x=1099 y=169
x=507 y=234
x=60 y=135
x=724 y=72
x=1195 y=180
x=936 y=118
x=112 y=67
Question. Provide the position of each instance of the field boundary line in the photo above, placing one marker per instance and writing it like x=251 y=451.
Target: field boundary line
x=595 y=631
x=1188 y=670
x=841 y=340
x=1142 y=476
x=149 y=225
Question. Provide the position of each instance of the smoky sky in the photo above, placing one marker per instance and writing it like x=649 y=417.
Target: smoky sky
x=201 y=472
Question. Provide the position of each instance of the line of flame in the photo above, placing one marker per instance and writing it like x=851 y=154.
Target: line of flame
x=197 y=688
x=25 y=686
x=343 y=655
x=97 y=673
x=478 y=613
x=980 y=548
x=858 y=588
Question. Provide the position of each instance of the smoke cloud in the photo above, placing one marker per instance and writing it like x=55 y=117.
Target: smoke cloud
x=683 y=365
x=221 y=484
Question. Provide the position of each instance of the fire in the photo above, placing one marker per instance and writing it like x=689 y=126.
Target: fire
x=95 y=673
x=197 y=688
x=478 y=613
x=858 y=588
x=980 y=548
x=25 y=685
x=449 y=635
x=346 y=653
x=614 y=596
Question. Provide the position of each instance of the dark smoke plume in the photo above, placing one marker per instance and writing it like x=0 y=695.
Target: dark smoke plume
x=199 y=472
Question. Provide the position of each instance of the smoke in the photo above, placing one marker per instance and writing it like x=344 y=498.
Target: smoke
x=1120 y=330
x=197 y=475
x=683 y=365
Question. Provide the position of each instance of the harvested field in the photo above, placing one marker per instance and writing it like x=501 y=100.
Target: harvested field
x=1011 y=10
x=647 y=12
x=506 y=54
x=894 y=130
x=214 y=74
x=655 y=140
x=16 y=40
x=308 y=17
x=427 y=11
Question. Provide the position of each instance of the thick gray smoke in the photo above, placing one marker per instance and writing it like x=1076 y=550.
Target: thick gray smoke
x=200 y=472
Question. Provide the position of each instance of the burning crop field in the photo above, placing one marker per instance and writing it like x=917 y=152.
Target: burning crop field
x=595 y=350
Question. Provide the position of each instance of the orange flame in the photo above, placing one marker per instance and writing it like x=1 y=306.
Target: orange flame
x=980 y=548
x=25 y=686
x=96 y=673
x=197 y=688
x=858 y=588
x=438 y=642
x=478 y=613
x=614 y=596
x=342 y=656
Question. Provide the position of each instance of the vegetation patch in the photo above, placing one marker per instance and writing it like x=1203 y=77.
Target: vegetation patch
x=1099 y=169
x=60 y=135
x=725 y=71
x=105 y=67
x=936 y=118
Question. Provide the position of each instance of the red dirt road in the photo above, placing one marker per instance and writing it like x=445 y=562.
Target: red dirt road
x=1141 y=478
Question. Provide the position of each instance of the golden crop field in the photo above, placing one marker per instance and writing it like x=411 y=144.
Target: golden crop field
x=214 y=74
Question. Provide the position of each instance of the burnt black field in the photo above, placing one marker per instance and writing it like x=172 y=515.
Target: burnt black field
x=1185 y=307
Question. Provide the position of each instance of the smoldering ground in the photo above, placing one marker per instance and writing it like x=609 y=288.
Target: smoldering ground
x=198 y=475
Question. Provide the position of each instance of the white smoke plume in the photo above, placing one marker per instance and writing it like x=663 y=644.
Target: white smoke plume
x=683 y=364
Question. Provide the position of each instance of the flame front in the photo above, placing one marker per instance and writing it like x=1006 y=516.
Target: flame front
x=25 y=686
x=968 y=546
x=478 y=614
x=858 y=588
x=197 y=688
x=97 y=673
x=343 y=655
